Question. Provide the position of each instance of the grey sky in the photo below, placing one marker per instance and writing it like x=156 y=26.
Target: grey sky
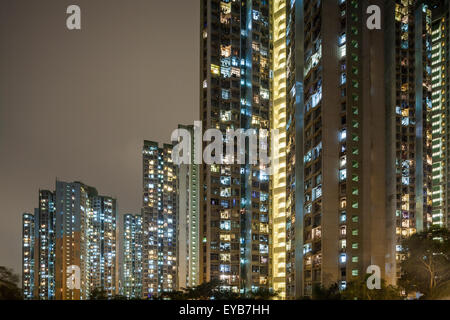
x=77 y=105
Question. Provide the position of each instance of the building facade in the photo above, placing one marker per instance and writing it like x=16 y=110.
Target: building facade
x=440 y=101
x=188 y=226
x=335 y=185
x=74 y=245
x=28 y=243
x=38 y=250
x=235 y=93
x=409 y=131
x=132 y=256
x=278 y=122
x=103 y=250
x=45 y=246
x=159 y=215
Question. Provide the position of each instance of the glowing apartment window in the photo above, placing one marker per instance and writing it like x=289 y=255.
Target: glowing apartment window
x=226 y=94
x=215 y=69
x=343 y=135
x=343 y=78
x=342 y=175
x=343 y=203
x=342 y=39
x=342 y=52
x=225 y=225
x=343 y=161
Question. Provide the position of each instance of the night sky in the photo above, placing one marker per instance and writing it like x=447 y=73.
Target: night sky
x=77 y=105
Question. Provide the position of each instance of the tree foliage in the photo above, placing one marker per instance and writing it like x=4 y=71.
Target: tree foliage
x=98 y=294
x=322 y=293
x=9 y=289
x=358 y=290
x=426 y=264
x=212 y=291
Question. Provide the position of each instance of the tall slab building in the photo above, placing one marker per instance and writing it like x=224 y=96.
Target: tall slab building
x=235 y=93
x=45 y=222
x=279 y=123
x=409 y=128
x=72 y=242
x=39 y=249
x=359 y=134
x=440 y=101
x=103 y=249
x=336 y=145
x=28 y=256
x=132 y=256
x=159 y=214
x=188 y=220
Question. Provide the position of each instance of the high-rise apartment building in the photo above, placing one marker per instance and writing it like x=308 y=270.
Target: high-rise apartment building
x=73 y=207
x=103 y=250
x=335 y=145
x=159 y=214
x=45 y=246
x=132 y=256
x=38 y=249
x=188 y=221
x=235 y=93
x=74 y=246
x=28 y=256
x=409 y=133
x=278 y=117
x=440 y=101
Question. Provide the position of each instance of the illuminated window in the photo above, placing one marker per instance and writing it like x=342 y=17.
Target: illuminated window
x=226 y=95
x=225 y=225
x=342 y=51
x=215 y=69
x=343 y=78
x=342 y=174
x=342 y=39
x=343 y=135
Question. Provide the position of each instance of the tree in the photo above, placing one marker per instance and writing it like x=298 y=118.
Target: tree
x=98 y=294
x=262 y=294
x=204 y=291
x=358 y=290
x=322 y=293
x=426 y=264
x=172 y=295
x=212 y=290
x=9 y=289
